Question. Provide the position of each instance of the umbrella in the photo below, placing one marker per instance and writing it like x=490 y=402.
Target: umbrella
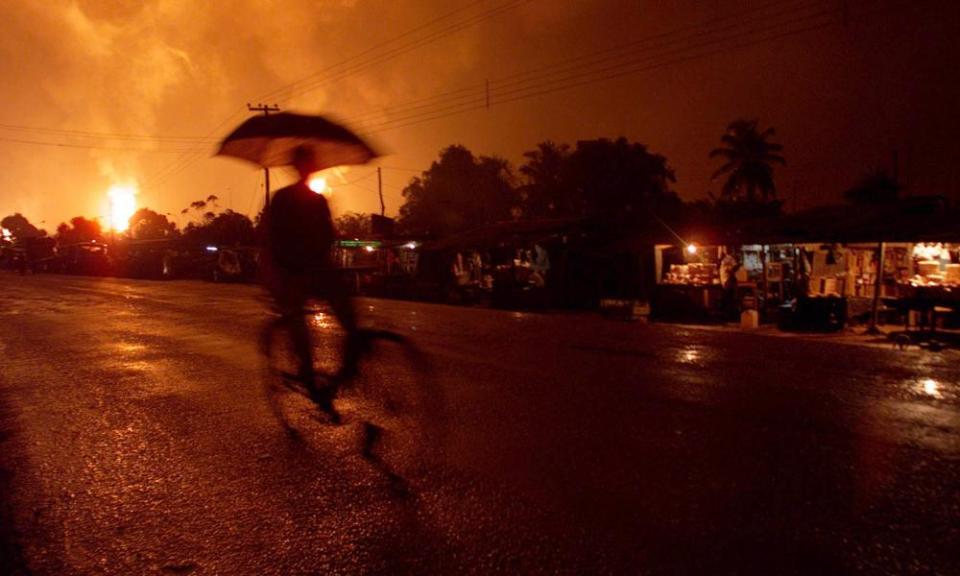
x=270 y=141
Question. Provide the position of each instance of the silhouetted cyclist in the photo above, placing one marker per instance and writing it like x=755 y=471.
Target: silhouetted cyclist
x=297 y=237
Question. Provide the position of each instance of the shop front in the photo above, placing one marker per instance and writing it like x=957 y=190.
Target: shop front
x=820 y=270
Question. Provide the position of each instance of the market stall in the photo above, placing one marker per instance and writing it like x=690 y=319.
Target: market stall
x=922 y=282
x=690 y=287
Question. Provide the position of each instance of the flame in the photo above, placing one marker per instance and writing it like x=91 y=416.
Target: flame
x=319 y=185
x=123 y=203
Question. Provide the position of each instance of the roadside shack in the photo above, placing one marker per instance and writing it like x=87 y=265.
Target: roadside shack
x=818 y=269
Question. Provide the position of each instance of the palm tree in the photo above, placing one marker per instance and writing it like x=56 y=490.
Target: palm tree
x=749 y=158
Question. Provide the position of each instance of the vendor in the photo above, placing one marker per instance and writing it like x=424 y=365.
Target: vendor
x=728 y=279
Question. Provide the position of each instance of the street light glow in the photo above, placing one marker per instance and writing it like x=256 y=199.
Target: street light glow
x=691 y=248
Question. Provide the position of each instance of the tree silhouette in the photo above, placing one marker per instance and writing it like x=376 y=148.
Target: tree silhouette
x=617 y=179
x=353 y=225
x=876 y=187
x=226 y=228
x=79 y=229
x=547 y=191
x=145 y=224
x=20 y=227
x=459 y=192
x=748 y=157
x=620 y=179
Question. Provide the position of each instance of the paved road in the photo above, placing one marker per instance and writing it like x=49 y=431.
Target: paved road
x=135 y=438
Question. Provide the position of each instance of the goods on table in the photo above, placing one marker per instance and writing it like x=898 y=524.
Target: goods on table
x=696 y=273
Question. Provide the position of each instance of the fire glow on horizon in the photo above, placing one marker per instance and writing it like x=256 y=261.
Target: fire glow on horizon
x=123 y=203
x=319 y=185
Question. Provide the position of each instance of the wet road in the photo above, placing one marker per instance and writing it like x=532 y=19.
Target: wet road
x=135 y=438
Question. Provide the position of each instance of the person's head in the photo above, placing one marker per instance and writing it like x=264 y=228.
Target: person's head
x=304 y=162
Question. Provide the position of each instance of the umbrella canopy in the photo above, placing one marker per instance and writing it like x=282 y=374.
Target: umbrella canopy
x=270 y=141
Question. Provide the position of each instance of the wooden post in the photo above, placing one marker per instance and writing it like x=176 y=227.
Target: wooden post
x=877 y=286
x=762 y=308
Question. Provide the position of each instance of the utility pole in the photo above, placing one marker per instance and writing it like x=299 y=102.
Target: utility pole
x=266 y=171
x=877 y=288
x=383 y=208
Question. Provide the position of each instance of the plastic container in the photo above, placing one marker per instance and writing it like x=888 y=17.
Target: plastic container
x=750 y=319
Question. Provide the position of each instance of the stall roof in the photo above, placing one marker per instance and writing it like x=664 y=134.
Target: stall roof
x=500 y=232
x=921 y=219
x=918 y=219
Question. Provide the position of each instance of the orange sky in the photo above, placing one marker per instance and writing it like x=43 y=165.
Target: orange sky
x=138 y=92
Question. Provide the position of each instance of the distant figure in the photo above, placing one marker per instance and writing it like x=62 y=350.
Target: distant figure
x=298 y=237
x=728 y=279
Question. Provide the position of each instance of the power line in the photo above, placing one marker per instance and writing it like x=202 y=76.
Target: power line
x=95 y=146
x=499 y=85
x=480 y=105
x=106 y=135
x=472 y=92
x=632 y=66
x=355 y=180
x=432 y=37
x=571 y=73
x=188 y=159
x=503 y=89
x=402 y=169
x=355 y=185
x=279 y=91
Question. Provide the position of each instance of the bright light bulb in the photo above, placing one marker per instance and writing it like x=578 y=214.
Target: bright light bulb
x=691 y=248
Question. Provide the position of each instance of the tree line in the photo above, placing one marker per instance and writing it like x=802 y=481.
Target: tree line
x=207 y=224
x=620 y=181
x=615 y=179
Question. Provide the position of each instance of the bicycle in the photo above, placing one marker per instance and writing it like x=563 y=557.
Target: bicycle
x=402 y=408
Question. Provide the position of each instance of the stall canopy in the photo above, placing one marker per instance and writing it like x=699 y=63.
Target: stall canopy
x=505 y=232
x=919 y=219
